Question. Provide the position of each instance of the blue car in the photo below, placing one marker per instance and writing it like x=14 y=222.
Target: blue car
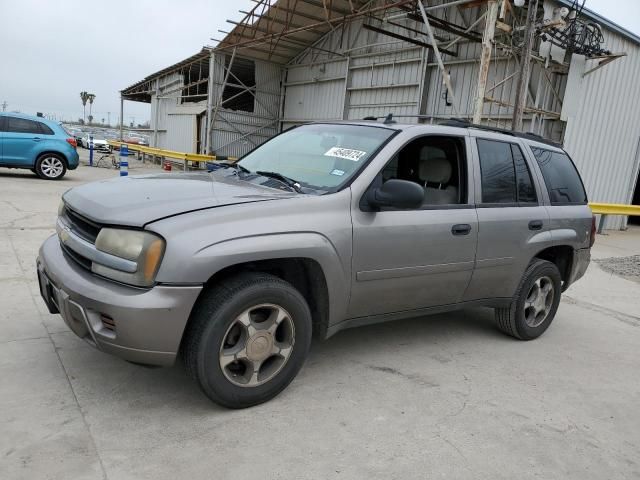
x=41 y=145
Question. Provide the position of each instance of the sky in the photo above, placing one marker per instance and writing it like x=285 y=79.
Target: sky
x=50 y=51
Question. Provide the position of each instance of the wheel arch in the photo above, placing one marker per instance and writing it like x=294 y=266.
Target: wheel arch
x=52 y=152
x=303 y=273
x=562 y=257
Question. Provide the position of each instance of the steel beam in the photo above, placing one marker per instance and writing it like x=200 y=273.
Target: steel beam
x=405 y=39
x=436 y=53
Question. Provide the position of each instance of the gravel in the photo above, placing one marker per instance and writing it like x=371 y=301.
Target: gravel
x=628 y=267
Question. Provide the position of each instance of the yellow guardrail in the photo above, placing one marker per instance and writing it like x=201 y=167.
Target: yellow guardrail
x=604 y=209
x=171 y=154
x=615 y=209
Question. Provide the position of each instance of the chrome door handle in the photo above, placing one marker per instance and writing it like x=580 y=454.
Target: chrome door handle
x=535 y=225
x=461 y=229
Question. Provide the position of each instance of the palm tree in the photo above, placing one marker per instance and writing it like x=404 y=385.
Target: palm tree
x=90 y=97
x=84 y=96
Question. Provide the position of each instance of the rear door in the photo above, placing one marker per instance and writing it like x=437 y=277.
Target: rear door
x=513 y=222
x=21 y=138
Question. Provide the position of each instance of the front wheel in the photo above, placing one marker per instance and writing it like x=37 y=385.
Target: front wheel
x=535 y=303
x=247 y=339
x=51 y=166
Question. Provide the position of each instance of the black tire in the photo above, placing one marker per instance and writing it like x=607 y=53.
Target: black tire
x=210 y=325
x=517 y=320
x=51 y=166
x=34 y=171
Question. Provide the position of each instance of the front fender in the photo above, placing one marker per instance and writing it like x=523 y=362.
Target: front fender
x=213 y=258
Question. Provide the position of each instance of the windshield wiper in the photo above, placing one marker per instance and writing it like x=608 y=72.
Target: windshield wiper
x=235 y=166
x=290 y=182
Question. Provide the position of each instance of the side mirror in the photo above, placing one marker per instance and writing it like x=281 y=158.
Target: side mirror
x=397 y=194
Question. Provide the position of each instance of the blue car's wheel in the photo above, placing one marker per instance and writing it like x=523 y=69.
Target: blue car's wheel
x=51 y=166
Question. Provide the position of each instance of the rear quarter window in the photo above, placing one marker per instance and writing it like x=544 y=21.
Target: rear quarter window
x=561 y=177
x=45 y=129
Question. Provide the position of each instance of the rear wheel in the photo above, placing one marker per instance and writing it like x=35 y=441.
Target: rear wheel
x=247 y=339
x=535 y=303
x=51 y=166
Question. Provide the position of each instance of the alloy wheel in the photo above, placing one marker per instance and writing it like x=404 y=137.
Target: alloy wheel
x=51 y=167
x=257 y=345
x=539 y=301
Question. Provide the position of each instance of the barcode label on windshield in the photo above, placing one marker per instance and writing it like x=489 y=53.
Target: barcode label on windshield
x=346 y=153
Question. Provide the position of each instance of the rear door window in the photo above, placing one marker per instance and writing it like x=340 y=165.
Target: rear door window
x=497 y=172
x=506 y=178
x=22 y=125
x=561 y=177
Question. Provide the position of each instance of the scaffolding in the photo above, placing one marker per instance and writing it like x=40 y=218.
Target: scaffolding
x=481 y=60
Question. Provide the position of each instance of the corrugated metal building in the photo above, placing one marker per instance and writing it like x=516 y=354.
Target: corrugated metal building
x=295 y=61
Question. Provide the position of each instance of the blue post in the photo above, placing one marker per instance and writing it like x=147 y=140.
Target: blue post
x=91 y=150
x=124 y=162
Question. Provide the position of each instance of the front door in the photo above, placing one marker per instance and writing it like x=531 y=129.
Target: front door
x=20 y=141
x=2 y=127
x=411 y=259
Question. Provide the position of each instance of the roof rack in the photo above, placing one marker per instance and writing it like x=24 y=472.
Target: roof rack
x=462 y=123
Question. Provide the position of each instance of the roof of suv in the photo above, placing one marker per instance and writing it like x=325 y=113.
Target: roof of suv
x=31 y=117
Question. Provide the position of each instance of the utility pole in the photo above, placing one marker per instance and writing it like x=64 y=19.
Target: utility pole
x=109 y=118
x=485 y=58
x=525 y=64
x=4 y=105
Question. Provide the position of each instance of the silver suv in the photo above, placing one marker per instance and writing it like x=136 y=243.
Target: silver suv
x=324 y=227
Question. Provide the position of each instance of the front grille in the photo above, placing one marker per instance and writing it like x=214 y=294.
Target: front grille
x=81 y=225
x=76 y=257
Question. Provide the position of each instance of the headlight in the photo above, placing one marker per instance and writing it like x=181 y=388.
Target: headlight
x=61 y=208
x=143 y=248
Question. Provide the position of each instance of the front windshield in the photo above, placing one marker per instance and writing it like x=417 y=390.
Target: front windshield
x=319 y=156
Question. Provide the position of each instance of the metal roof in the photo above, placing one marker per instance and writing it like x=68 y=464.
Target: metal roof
x=140 y=91
x=278 y=30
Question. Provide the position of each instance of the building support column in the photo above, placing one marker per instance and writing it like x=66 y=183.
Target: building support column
x=207 y=138
x=485 y=59
x=525 y=66
x=121 y=115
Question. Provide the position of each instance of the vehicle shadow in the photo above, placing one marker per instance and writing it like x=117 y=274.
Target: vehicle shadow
x=357 y=346
x=19 y=173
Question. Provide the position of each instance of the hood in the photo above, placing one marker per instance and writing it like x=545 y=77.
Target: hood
x=137 y=200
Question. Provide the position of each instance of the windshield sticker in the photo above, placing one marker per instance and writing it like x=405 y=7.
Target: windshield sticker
x=346 y=153
x=337 y=172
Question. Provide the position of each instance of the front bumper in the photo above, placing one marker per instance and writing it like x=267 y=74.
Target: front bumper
x=140 y=325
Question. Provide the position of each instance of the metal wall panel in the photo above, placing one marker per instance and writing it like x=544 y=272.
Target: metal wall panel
x=235 y=133
x=181 y=133
x=603 y=135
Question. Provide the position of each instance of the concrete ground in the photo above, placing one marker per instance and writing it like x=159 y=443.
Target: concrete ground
x=445 y=396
